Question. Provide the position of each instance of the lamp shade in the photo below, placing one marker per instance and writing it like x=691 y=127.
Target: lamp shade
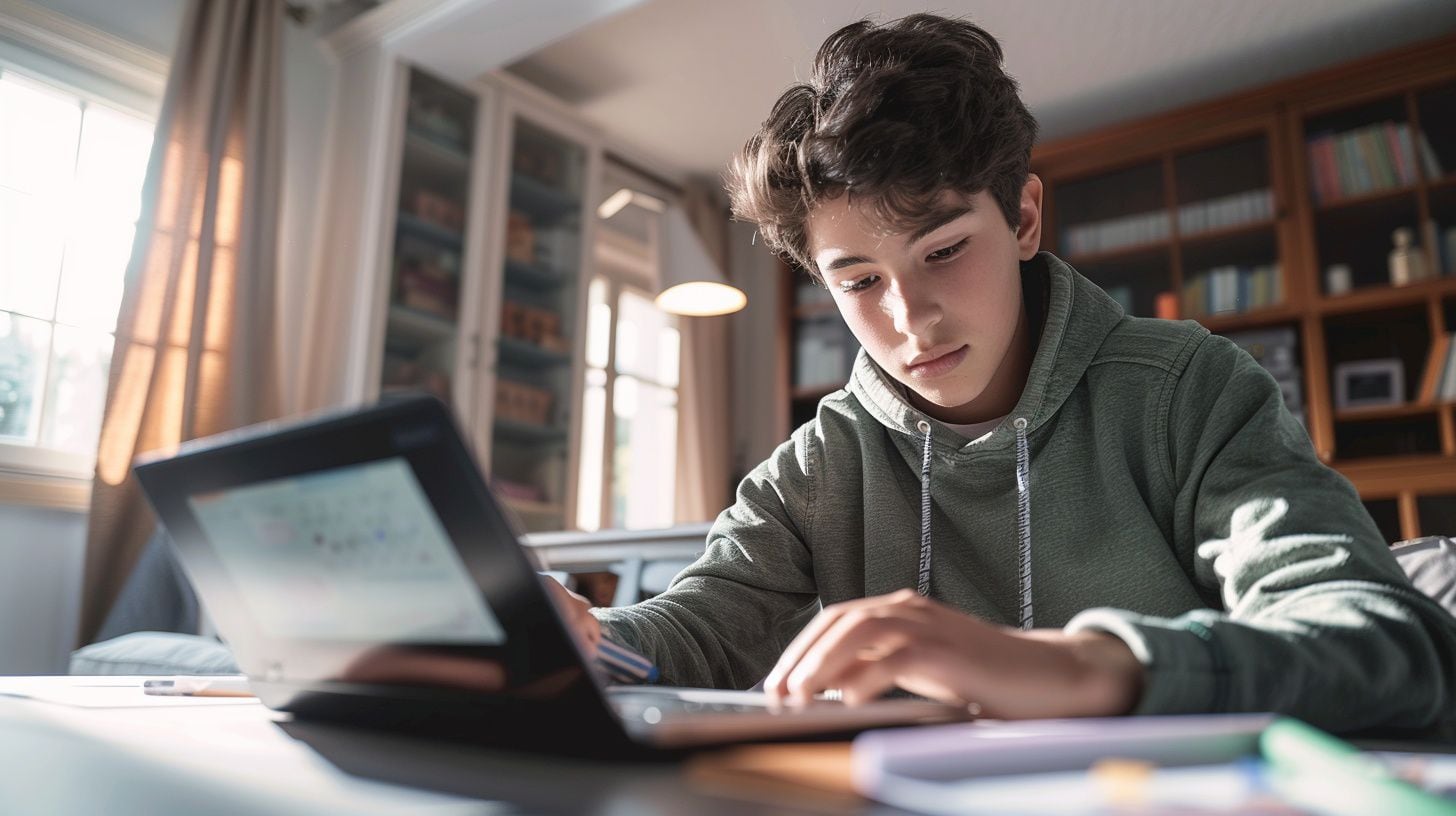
x=692 y=284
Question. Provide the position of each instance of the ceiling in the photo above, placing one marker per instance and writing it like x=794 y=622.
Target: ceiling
x=687 y=81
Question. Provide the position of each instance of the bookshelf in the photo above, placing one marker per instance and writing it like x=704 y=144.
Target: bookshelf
x=1274 y=215
x=1270 y=217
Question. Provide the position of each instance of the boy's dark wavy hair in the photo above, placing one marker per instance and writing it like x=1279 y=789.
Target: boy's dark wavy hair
x=893 y=114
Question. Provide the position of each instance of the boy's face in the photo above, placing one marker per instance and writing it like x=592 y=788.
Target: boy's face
x=939 y=310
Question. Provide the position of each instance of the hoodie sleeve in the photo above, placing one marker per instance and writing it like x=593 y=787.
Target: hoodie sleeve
x=725 y=619
x=1319 y=621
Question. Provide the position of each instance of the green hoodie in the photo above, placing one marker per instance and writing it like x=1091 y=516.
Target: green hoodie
x=1166 y=496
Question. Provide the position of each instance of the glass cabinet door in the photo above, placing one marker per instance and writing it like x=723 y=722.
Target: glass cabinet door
x=423 y=321
x=538 y=324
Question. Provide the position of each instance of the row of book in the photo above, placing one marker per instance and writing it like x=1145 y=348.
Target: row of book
x=1232 y=289
x=1224 y=212
x=1228 y=211
x=1277 y=350
x=1376 y=157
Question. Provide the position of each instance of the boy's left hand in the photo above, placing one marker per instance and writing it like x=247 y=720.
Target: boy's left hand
x=867 y=647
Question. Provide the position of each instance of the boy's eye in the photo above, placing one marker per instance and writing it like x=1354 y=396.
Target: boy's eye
x=947 y=253
x=859 y=285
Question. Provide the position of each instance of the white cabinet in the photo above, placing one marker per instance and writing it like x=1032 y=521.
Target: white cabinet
x=480 y=293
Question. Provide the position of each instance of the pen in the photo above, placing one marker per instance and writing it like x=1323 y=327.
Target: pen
x=223 y=686
x=623 y=664
x=1313 y=769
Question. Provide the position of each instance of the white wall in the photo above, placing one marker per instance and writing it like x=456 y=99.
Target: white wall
x=41 y=553
x=759 y=423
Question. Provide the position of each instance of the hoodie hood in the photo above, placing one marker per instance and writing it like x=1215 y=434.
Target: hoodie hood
x=1053 y=294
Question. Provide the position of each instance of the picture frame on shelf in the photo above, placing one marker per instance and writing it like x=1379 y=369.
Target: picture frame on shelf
x=1369 y=384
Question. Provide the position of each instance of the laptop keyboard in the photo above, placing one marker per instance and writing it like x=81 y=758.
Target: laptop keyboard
x=634 y=702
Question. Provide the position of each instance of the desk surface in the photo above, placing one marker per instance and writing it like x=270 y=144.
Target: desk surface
x=245 y=759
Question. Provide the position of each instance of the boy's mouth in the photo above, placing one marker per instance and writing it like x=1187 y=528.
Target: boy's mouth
x=936 y=362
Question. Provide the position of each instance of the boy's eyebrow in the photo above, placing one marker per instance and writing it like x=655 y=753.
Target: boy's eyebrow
x=933 y=222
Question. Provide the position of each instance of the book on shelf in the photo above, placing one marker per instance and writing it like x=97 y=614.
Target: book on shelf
x=1447 y=387
x=1379 y=156
x=1248 y=207
x=1232 y=290
x=1431 y=383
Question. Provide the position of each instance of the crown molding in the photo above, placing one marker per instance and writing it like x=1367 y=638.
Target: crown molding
x=386 y=22
x=57 y=35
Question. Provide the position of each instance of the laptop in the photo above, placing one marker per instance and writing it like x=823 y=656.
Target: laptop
x=361 y=571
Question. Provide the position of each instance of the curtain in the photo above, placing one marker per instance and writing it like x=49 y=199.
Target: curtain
x=195 y=349
x=705 y=387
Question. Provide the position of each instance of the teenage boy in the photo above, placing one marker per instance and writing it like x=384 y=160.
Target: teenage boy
x=1024 y=500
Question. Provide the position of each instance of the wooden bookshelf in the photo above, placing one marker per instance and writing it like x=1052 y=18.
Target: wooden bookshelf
x=1337 y=192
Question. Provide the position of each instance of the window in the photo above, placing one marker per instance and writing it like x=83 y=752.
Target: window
x=628 y=462
x=71 y=171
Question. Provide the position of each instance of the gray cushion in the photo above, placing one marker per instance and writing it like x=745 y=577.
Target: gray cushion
x=154 y=653
x=1431 y=564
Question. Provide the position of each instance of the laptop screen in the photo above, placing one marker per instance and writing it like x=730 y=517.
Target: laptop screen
x=362 y=547
x=348 y=554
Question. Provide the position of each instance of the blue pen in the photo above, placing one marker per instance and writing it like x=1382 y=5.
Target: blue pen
x=624 y=665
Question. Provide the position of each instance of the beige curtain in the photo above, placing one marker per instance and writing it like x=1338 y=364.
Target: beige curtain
x=195 y=351
x=705 y=389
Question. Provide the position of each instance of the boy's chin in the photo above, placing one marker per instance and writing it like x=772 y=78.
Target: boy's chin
x=942 y=402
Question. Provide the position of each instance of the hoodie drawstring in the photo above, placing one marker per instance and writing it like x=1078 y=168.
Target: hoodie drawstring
x=1023 y=515
x=923 y=585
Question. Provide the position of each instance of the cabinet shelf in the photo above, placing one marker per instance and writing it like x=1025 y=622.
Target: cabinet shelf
x=520 y=352
x=533 y=276
x=1406 y=409
x=434 y=233
x=1362 y=199
x=523 y=433
x=541 y=201
x=1221 y=233
x=1383 y=297
x=1248 y=320
x=435 y=150
x=418 y=329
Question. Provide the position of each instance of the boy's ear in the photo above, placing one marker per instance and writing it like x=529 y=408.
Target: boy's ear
x=1028 y=235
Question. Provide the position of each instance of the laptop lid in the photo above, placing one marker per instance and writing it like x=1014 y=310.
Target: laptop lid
x=358 y=557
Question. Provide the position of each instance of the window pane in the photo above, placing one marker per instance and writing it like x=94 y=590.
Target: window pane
x=30 y=254
x=645 y=454
x=38 y=130
x=23 y=346
x=668 y=343
x=92 y=276
x=111 y=164
x=76 y=392
x=589 y=482
x=643 y=349
x=598 y=324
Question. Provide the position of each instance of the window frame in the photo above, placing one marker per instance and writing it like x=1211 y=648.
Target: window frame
x=98 y=68
x=622 y=273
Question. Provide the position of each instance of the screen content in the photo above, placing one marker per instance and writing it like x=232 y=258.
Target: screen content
x=349 y=554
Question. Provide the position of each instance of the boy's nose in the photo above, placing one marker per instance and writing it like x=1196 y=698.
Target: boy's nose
x=913 y=310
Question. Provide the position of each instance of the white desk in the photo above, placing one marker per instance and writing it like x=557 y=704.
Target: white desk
x=244 y=759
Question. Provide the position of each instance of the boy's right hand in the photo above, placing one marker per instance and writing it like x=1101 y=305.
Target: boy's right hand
x=575 y=611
